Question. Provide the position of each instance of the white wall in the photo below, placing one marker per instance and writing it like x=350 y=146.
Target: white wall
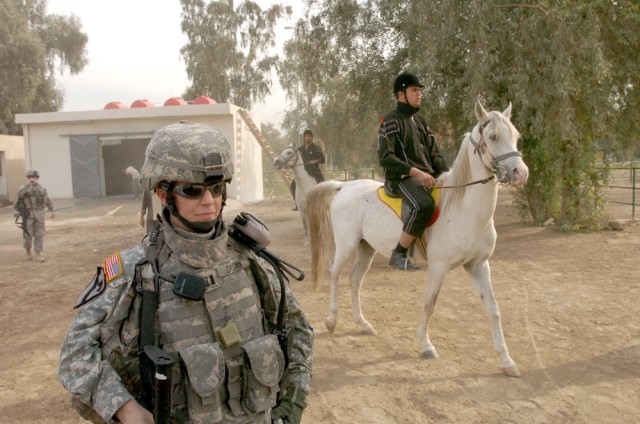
x=47 y=140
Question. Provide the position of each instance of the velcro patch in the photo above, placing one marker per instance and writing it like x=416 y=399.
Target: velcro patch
x=232 y=267
x=93 y=289
x=113 y=267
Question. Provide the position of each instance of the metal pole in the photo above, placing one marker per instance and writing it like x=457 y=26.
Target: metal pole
x=633 y=196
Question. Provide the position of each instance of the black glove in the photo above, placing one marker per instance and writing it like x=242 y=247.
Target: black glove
x=290 y=408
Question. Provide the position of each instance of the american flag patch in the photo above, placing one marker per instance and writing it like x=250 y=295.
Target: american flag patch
x=113 y=267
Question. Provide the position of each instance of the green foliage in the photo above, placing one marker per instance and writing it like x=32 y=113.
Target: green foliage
x=569 y=68
x=227 y=55
x=33 y=47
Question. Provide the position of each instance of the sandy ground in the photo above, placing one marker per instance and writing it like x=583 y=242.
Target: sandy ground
x=570 y=309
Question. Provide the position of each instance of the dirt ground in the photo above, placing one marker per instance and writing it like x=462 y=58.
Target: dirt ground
x=570 y=309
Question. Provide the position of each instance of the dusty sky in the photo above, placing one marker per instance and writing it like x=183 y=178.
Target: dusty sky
x=134 y=53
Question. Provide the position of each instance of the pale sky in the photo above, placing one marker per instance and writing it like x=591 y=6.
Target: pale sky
x=134 y=53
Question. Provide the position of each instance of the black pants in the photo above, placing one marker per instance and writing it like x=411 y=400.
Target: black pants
x=420 y=201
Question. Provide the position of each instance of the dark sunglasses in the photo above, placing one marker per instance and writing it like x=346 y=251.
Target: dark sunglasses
x=196 y=191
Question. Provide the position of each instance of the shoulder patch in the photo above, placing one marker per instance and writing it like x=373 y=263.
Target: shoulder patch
x=113 y=267
x=93 y=289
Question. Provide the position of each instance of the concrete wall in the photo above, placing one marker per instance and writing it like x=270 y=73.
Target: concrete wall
x=12 y=167
x=47 y=141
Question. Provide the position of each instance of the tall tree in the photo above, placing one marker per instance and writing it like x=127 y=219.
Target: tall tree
x=34 y=46
x=228 y=55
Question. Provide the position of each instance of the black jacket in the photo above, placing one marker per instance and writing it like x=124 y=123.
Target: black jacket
x=405 y=141
x=312 y=152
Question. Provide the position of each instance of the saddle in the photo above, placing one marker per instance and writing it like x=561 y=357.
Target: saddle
x=394 y=201
x=401 y=209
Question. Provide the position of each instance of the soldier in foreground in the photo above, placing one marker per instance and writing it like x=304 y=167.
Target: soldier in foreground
x=32 y=199
x=182 y=324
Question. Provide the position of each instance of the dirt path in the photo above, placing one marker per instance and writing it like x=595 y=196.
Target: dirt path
x=570 y=308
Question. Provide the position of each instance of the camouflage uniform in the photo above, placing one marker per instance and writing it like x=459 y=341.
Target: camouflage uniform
x=33 y=198
x=213 y=381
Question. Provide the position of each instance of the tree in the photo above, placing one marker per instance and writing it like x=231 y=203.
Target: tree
x=34 y=46
x=228 y=53
x=569 y=68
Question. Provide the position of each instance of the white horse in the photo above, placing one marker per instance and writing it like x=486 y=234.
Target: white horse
x=290 y=158
x=463 y=235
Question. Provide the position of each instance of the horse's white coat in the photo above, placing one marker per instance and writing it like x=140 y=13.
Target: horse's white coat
x=290 y=158
x=463 y=235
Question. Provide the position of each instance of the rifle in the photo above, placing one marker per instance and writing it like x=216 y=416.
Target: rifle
x=22 y=213
x=161 y=383
x=155 y=364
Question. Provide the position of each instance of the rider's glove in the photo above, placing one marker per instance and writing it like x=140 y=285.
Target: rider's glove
x=290 y=408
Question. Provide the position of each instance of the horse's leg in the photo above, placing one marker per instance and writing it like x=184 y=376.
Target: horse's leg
x=341 y=255
x=305 y=225
x=364 y=257
x=435 y=279
x=481 y=273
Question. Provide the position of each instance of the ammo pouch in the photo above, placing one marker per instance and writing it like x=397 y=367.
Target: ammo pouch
x=263 y=368
x=205 y=374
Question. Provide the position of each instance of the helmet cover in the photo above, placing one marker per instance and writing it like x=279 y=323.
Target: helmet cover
x=187 y=152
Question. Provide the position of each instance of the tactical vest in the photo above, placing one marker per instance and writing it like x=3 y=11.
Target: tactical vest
x=226 y=369
x=34 y=196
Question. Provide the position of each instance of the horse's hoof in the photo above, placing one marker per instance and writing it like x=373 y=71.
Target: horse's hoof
x=511 y=371
x=429 y=354
x=330 y=324
x=369 y=331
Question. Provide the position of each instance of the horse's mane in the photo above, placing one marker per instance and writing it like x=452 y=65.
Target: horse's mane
x=456 y=177
x=460 y=170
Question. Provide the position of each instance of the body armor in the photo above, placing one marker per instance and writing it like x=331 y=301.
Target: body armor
x=227 y=369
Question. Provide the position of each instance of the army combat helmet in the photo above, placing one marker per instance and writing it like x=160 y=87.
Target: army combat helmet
x=186 y=152
x=33 y=173
x=189 y=152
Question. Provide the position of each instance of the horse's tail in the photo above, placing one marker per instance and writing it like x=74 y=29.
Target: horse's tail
x=317 y=210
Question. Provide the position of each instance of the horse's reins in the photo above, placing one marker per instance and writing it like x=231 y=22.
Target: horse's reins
x=480 y=147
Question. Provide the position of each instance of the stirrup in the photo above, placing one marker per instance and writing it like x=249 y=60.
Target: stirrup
x=398 y=261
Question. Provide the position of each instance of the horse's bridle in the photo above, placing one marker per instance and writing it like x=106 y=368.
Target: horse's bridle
x=286 y=161
x=492 y=163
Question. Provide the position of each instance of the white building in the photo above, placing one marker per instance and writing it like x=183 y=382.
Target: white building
x=83 y=154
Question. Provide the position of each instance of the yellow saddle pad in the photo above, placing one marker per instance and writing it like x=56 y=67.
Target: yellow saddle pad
x=395 y=203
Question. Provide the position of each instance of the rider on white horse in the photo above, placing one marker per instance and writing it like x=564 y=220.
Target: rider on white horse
x=312 y=157
x=411 y=160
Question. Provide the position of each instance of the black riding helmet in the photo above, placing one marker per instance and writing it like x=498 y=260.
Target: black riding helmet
x=404 y=81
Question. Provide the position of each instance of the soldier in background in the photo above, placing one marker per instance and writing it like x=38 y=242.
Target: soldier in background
x=208 y=301
x=32 y=199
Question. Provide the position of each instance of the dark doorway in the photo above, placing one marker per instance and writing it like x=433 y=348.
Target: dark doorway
x=117 y=156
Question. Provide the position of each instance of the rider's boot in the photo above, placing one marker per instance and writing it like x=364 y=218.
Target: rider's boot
x=401 y=261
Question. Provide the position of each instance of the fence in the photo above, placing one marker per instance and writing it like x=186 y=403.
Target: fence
x=624 y=185
x=624 y=182
x=273 y=185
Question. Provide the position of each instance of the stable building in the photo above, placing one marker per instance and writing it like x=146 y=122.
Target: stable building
x=12 y=171
x=84 y=154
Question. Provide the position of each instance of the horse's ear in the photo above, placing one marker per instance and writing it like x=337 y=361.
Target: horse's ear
x=507 y=111
x=481 y=114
